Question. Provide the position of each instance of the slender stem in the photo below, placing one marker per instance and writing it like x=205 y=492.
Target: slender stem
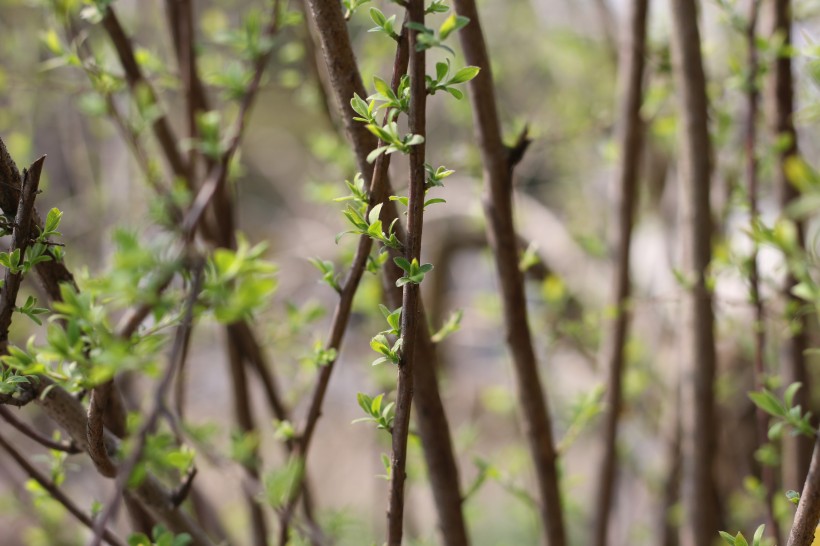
x=807 y=517
x=797 y=450
x=26 y=429
x=179 y=349
x=767 y=473
x=631 y=148
x=410 y=316
x=501 y=232
x=56 y=493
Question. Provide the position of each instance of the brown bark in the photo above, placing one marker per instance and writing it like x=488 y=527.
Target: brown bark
x=631 y=144
x=808 y=509
x=502 y=236
x=699 y=434
x=796 y=450
x=410 y=317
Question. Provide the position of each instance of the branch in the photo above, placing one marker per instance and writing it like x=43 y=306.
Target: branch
x=410 y=317
x=807 y=517
x=181 y=341
x=631 y=143
x=26 y=429
x=501 y=232
x=431 y=419
x=57 y=494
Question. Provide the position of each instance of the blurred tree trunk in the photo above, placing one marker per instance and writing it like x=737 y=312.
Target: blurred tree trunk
x=630 y=148
x=796 y=449
x=699 y=427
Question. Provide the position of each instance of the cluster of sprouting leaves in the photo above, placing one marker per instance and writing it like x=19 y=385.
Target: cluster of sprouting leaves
x=380 y=342
x=382 y=416
x=238 y=282
x=740 y=540
x=160 y=536
x=786 y=413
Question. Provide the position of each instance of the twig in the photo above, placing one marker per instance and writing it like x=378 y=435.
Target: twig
x=501 y=232
x=69 y=448
x=57 y=494
x=631 y=145
x=410 y=316
x=797 y=451
x=753 y=98
x=807 y=517
x=140 y=86
x=181 y=340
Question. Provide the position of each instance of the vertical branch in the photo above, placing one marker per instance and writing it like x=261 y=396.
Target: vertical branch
x=807 y=517
x=501 y=233
x=631 y=144
x=699 y=434
x=433 y=426
x=797 y=450
x=410 y=316
x=753 y=98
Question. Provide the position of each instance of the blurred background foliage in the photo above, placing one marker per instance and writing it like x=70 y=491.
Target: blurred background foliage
x=555 y=68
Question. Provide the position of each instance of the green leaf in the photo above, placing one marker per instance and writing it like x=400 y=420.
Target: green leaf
x=793 y=496
x=451 y=24
x=441 y=70
x=402 y=263
x=766 y=401
x=464 y=75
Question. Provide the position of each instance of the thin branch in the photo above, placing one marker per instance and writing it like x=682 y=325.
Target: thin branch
x=410 y=316
x=796 y=450
x=57 y=494
x=140 y=86
x=26 y=429
x=181 y=340
x=501 y=232
x=807 y=517
x=631 y=147
x=767 y=473
x=341 y=315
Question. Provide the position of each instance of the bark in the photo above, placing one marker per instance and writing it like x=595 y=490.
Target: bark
x=631 y=144
x=796 y=450
x=501 y=233
x=808 y=509
x=411 y=319
x=699 y=434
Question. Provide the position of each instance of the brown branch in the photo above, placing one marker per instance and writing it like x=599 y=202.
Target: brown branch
x=631 y=146
x=767 y=473
x=57 y=494
x=431 y=419
x=699 y=431
x=139 y=85
x=181 y=340
x=341 y=315
x=19 y=241
x=26 y=429
x=501 y=232
x=807 y=517
x=796 y=450
x=216 y=178
x=410 y=316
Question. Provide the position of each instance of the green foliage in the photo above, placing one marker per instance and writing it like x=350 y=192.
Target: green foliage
x=160 y=537
x=740 y=540
x=414 y=272
x=444 y=82
x=382 y=416
x=372 y=226
x=785 y=411
x=450 y=326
